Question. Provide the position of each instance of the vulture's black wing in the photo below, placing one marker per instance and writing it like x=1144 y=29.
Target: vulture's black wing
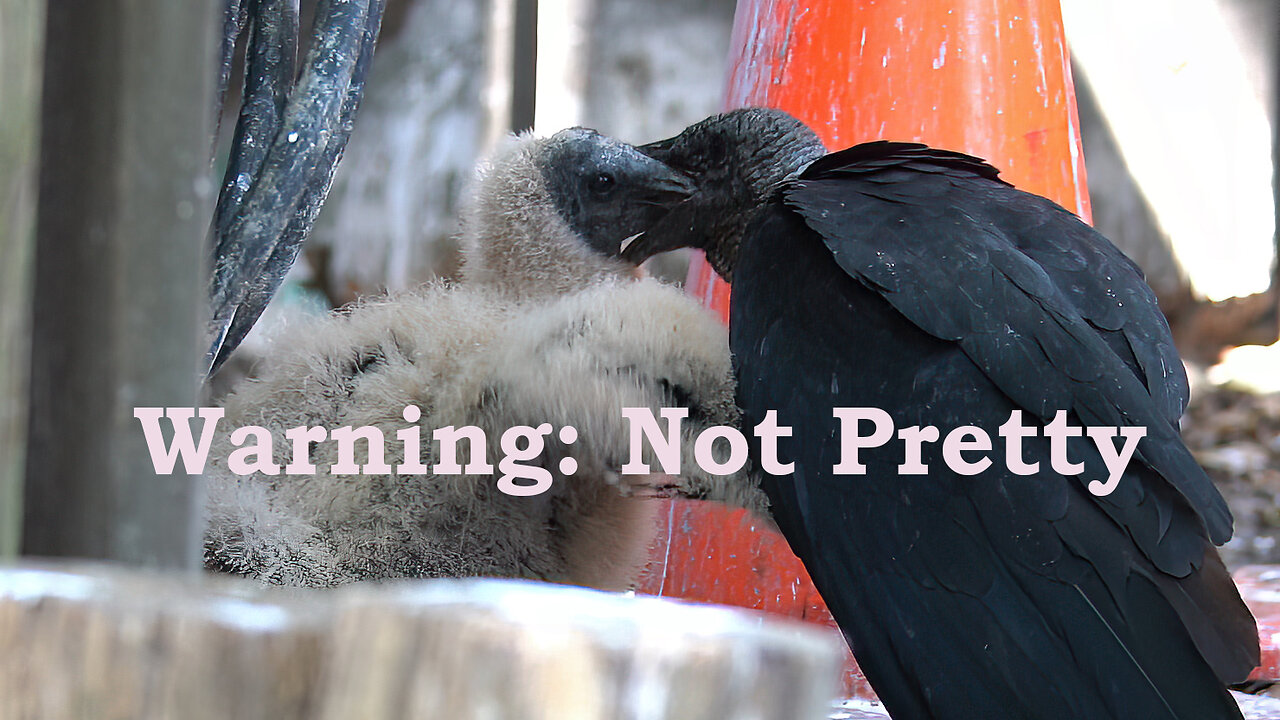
x=899 y=277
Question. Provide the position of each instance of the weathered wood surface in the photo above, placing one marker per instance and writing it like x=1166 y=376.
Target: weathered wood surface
x=100 y=642
x=96 y=642
x=21 y=40
x=124 y=205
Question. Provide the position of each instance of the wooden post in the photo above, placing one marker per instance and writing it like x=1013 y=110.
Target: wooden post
x=524 y=77
x=125 y=201
x=98 y=642
x=21 y=37
x=476 y=649
x=85 y=642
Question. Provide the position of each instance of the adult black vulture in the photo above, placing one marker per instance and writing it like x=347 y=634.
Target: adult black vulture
x=911 y=279
x=547 y=326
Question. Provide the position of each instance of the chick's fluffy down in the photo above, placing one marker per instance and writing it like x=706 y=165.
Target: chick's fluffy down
x=467 y=358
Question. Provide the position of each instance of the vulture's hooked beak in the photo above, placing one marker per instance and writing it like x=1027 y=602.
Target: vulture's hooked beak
x=672 y=189
x=676 y=229
x=668 y=187
x=737 y=160
x=663 y=191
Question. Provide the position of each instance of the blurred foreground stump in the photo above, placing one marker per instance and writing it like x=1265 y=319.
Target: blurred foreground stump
x=99 y=642
x=94 y=641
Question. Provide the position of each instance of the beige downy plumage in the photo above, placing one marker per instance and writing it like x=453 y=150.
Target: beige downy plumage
x=547 y=326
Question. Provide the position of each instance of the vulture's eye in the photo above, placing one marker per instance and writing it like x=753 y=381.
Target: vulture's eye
x=602 y=184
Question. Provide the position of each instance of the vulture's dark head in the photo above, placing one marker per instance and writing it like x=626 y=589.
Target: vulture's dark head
x=550 y=215
x=737 y=159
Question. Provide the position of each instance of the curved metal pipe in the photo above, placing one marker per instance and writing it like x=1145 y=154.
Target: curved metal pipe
x=261 y=238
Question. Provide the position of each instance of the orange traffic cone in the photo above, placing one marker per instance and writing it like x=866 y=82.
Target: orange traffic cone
x=986 y=77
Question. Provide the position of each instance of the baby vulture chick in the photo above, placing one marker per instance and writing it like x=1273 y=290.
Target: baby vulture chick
x=547 y=327
x=550 y=215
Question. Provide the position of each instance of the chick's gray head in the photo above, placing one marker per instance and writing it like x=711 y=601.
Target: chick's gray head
x=737 y=160
x=550 y=215
x=608 y=190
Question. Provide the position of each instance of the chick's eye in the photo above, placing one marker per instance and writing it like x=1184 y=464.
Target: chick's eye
x=602 y=184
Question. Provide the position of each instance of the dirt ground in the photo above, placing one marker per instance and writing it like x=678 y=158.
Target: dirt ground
x=1236 y=437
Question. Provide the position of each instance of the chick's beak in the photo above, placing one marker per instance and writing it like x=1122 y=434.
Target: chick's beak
x=659 y=183
x=675 y=230
x=671 y=187
x=678 y=227
x=660 y=190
